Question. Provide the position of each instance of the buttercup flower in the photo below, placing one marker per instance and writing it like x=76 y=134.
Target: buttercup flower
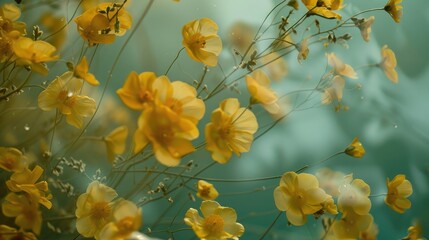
x=25 y=211
x=299 y=195
x=330 y=181
x=334 y=91
x=115 y=142
x=364 y=26
x=169 y=134
x=92 y=28
x=259 y=88
x=217 y=222
x=231 y=130
x=414 y=232
x=94 y=209
x=127 y=219
x=394 y=9
x=351 y=225
x=81 y=71
x=9 y=233
x=355 y=149
x=370 y=233
x=63 y=94
x=276 y=66
x=241 y=36
x=34 y=54
x=354 y=197
x=206 y=191
x=324 y=8
x=12 y=160
x=25 y=181
x=388 y=64
x=399 y=189
x=201 y=41
x=339 y=67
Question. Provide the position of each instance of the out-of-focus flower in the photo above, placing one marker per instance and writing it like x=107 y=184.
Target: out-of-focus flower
x=303 y=50
x=354 y=197
x=415 y=232
x=206 y=191
x=364 y=26
x=258 y=85
x=25 y=181
x=94 y=209
x=324 y=8
x=169 y=134
x=329 y=205
x=12 y=160
x=10 y=11
x=355 y=149
x=241 y=36
x=275 y=65
x=9 y=233
x=231 y=130
x=330 y=181
x=398 y=190
x=201 y=41
x=394 y=9
x=351 y=225
x=370 y=233
x=340 y=67
x=34 y=54
x=127 y=218
x=81 y=71
x=55 y=26
x=217 y=222
x=63 y=94
x=299 y=195
x=335 y=91
x=388 y=63
x=26 y=212
x=115 y=142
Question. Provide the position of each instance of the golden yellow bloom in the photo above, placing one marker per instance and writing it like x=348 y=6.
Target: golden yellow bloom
x=26 y=212
x=9 y=233
x=94 y=209
x=34 y=54
x=92 y=27
x=10 y=11
x=364 y=26
x=25 y=181
x=127 y=218
x=335 y=91
x=231 y=130
x=415 y=232
x=206 y=191
x=329 y=205
x=351 y=225
x=63 y=94
x=339 y=67
x=370 y=233
x=81 y=71
x=355 y=149
x=169 y=134
x=399 y=189
x=241 y=36
x=201 y=41
x=12 y=160
x=259 y=88
x=394 y=9
x=115 y=142
x=299 y=195
x=217 y=222
x=119 y=13
x=354 y=197
x=388 y=64
x=276 y=66
x=324 y=8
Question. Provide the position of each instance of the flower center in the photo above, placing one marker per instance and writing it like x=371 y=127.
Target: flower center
x=214 y=224
x=100 y=210
x=146 y=96
x=125 y=226
x=198 y=41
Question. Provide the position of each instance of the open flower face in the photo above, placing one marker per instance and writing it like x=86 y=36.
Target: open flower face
x=217 y=222
x=399 y=189
x=201 y=41
x=26 y=212
x=231 y=130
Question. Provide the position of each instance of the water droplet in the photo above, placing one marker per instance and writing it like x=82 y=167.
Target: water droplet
x=362 y=98
x=395 y=126
x=26 y=127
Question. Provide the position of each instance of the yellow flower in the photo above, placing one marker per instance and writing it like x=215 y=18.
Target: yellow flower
x=370 y=233
x=364 y=26
x=354 y=197
x=25 y=181
x=62 y=94
x=10 y=11
x=334 y=91
x=388 y=64
x=399 y=189
x=127 y=218
x=201 y=41
x=231 y=130
x=115 y=142
x=302 y=50
x=206 y=191
x=9 y=233
x=92 y=27
x=414 y=232
x=34 y=54
x=217 y=222
x=324 y=8
x=299 y=195
x=276 y=66
x=241 y=36
x=351 y=225
x=355 y=149
x=341 y=68
x=81 y=71
x=26 y=212
x=394 y=9
x=329 y=205
x=12 y=160
x=94 y=209
x=330 y=181
x=259 y=88
x=169 y=134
